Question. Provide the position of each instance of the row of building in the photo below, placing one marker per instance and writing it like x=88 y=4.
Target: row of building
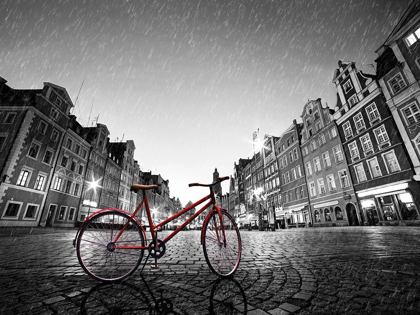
x=55 y=172
x=356 y=164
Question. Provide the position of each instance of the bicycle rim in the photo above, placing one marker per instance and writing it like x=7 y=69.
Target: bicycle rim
x=97 y=253
x=223 y=259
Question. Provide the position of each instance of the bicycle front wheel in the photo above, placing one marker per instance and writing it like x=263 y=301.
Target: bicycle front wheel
x=222 y=258
x=98 y=252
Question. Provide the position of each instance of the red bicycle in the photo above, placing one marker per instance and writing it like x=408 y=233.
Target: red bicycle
x=110 y=243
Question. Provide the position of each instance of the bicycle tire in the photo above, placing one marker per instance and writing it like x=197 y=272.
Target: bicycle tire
x=95 y=250
x=222 y=259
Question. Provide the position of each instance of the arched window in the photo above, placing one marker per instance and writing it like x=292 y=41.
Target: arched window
x=327 y=215
x=317 y=216
x=338 y=213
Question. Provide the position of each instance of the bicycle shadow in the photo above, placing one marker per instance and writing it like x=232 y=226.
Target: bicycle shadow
x=226 y=297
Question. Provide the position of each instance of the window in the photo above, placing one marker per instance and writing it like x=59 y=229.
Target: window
x=397 y=83
x=354 y=151
x=10 y=118
x=359 y=122
x=412 y=38
x=373 y=113
x=69 y=144
x=3 y=139
x=283 y=178
x=308 y=168
x=295 y=154
x=344 y=178
x=39 y=184
x=298 y=171
x=312 y=190
x=326 y=159
x=31 y=211
x=348 y=132
x=313 y=145
x=347 y=86
x=411 y=114
x=353 y=100
x=12 y=210
x=331 y=183
x=338 y=154
x=293 y=173
x=338 y=213
x=287 y=177
x=318 y=126
x=321 y=186
x=54 y=135
x=291 y=156
x=71 y=214
x=64 y=161
x=84 y=154
x=73 y=165
x=333 y=132
x=77 y=149
x=317 y=164
x=23 y=178
x=62 y=213
x=317 y=216
x=381 y=135
x=57 y=184
x=375 y=170
x=327 y=214
x=367 y=145
x=391 y=162
x=34 y=150
x=360 y=173
x=321 y=139
x=305 y=151
x=68 y=186
x=54 y=114
x=42 y=127
x=47 y=157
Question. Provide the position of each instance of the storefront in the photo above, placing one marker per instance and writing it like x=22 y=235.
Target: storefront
x=389 y=205
x=332 y=213
x=296 y=216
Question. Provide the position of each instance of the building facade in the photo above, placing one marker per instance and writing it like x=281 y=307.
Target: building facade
x=295 y=203
x=329 y=184
x=380 y=170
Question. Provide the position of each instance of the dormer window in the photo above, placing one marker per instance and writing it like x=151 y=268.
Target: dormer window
x=412 y=38
x=347 y=86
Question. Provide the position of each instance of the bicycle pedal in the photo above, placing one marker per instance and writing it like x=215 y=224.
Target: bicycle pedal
x=156 y=267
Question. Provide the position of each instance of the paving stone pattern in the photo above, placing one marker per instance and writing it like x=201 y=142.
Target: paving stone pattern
x=353 y=270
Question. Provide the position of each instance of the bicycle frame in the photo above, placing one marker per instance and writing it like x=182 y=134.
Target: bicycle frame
x=155 y=228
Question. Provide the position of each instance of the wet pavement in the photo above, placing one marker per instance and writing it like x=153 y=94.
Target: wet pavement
x=352 y=270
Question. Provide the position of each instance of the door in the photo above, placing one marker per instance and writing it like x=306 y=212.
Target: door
x=50 y=216
x=351 y=215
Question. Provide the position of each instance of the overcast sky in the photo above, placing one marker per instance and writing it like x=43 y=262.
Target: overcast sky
x=189 y=80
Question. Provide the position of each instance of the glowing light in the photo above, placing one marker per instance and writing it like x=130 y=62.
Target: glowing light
x=94 y=184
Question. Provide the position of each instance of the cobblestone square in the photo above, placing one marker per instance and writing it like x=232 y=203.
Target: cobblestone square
x=352 y=270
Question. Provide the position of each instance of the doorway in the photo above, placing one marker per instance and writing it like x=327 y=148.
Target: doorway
x=50 y=216
x=351 y=215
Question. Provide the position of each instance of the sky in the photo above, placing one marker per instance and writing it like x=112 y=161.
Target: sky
x=189 y=81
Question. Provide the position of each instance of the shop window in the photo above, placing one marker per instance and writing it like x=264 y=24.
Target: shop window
x=317 y=216
x=327 y=214
x=71 y=214
x=407 y=206
x=388 y=207
x=338 y=213
x=62 y=213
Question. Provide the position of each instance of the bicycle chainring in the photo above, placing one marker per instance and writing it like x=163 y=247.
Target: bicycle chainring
x=157 y=251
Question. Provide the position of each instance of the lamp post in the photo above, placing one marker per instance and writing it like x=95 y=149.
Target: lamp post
x=93 y=184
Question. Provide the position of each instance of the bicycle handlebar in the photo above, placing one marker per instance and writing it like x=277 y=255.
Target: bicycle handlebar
x=218 y=180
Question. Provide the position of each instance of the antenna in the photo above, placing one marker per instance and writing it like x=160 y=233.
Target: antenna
x=77 y=97
x=90 y=111
x=122 y=137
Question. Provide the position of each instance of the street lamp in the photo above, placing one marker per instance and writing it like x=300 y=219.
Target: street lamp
x=93 y=184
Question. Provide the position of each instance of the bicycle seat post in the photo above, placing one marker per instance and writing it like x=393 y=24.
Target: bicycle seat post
x=155 y=266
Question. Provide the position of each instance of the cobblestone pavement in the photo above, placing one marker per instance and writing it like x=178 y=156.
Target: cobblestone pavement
x=352 y=270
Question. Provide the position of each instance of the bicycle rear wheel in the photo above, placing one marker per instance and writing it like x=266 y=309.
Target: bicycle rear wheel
x=100 y=256
x=223 y=259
